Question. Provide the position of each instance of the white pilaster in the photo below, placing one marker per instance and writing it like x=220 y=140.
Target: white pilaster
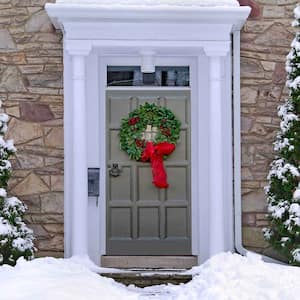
x=79 y=187
x=216 y=172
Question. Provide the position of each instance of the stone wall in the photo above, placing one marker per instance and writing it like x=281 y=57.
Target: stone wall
x=266 y=40
x=31 y=90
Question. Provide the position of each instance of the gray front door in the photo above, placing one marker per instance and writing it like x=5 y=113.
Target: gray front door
x=142 y=219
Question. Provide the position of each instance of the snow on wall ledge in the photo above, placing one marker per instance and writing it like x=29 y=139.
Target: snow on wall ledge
x=153 y=3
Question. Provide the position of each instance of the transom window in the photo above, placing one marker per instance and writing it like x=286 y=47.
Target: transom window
x=133 y=76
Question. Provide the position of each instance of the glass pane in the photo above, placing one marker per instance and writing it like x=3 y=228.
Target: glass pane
x=163 y=76
x=124 y=76
x=172 y=76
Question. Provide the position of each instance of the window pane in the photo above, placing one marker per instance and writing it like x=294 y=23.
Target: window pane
x=124 y=76
x=132 y=76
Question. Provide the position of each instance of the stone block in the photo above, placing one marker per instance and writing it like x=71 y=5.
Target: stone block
x=275 y=35
x=31 y=69
x=253 y=237
x=51 y=80
x=39 y=22
x=248 y=219
x=35 y=112
x=46 y=218
x=258 y=129
x=11 y=80
x=249 y=95
x=251 y=68
x=246 y=124
x=54 y=228
x=33 y=203
x=262 y=223
x=268 y=65
x=254 y=202
x=39 y=231
x=273 y=11
x=56 y=243
x=43 y=90
x=13 y=111
x=29 y=161
x=57 y=183
x=55 y=138
x=279 y=75
x=7 y=42
x=246 y=174
x=22 y=132
x=52 y=203
x=30 y=185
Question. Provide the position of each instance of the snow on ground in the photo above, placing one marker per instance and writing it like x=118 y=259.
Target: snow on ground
x=224 y=277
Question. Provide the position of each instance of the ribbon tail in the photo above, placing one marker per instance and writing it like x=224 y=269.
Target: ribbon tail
x=159 y=173
x=155 y=153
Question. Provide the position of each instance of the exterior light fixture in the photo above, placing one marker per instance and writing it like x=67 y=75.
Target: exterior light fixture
x=147 y=65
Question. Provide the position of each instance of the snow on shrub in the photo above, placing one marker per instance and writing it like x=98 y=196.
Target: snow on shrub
x=283 y=191
x=16 y=239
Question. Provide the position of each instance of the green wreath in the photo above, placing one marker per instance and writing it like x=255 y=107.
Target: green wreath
x=133 y=133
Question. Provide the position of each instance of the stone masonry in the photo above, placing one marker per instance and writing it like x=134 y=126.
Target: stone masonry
x=265 y=42
x=31 y=90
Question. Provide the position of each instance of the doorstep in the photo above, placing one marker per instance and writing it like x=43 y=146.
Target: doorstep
x=149 y=277
x=148 y=262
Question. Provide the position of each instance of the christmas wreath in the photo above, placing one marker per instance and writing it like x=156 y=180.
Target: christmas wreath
x=150 y=133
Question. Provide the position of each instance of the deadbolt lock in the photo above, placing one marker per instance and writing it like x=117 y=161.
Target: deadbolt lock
x=115 y=170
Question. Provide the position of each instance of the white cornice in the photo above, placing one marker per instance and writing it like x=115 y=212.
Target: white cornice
x=147 y=3
x=61 y=13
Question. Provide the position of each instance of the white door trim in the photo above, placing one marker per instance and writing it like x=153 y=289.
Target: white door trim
x=165 y=61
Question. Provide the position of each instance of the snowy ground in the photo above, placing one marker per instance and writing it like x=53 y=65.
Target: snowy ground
x=224 y=277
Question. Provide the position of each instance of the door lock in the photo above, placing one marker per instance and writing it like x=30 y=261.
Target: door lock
x=115 y=171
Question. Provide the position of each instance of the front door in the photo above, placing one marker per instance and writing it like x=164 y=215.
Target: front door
x=142 y=219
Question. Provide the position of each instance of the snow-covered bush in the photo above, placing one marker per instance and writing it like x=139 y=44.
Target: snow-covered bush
x=283 y=191
x=16 y=239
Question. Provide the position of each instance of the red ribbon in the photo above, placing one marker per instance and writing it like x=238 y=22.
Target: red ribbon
x=156 y=153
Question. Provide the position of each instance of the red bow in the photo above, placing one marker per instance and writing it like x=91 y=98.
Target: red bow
x=155 y=154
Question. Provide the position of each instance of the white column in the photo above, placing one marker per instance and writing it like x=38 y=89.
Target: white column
x=79 y=142
x=216 y=191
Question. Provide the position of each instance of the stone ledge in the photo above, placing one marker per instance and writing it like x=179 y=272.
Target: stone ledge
x=153 y=262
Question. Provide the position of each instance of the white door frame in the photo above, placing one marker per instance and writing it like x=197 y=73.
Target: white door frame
x=165 y=61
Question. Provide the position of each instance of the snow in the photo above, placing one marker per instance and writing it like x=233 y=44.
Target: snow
x=296 y=194
x=224 y=277
x=281 y=169
x=3 y=117
x=285 y=112
x=296 y=254
x=5 y=227
x=10 y=146
x=297 y=12
x=153 y=3
x=3 y=192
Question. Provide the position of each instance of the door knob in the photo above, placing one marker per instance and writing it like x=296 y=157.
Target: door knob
x=115 y=171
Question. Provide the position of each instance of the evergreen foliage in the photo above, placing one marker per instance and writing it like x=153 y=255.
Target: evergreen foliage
x=133 y=127
x=283 y=191
x=16 y=239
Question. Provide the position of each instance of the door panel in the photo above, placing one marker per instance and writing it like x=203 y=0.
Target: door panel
x=142 y=219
